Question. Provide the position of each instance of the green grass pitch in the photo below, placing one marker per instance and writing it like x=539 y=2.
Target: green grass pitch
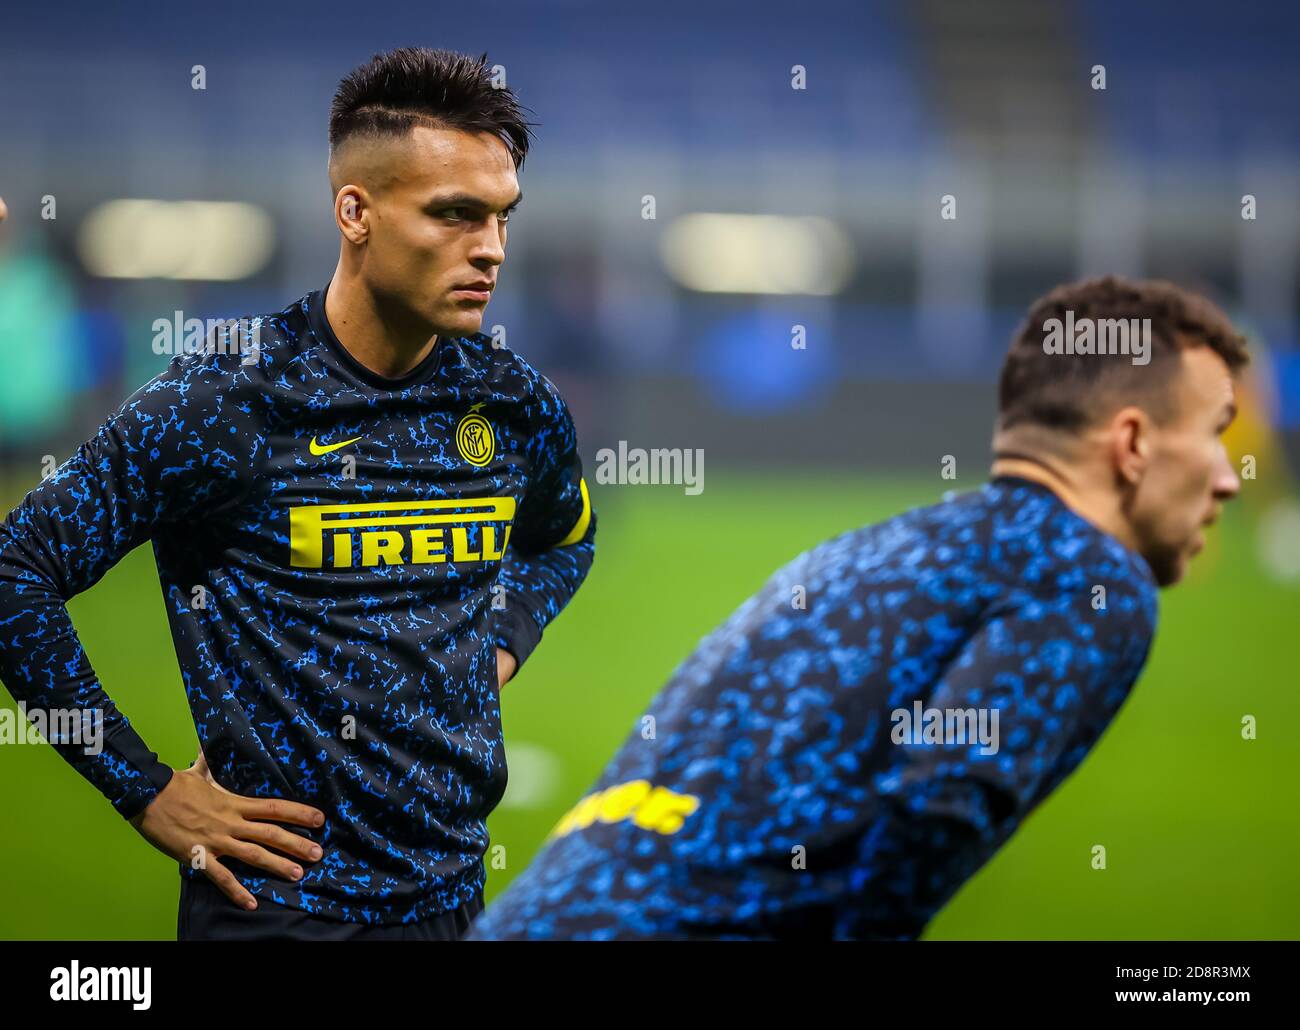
x=1200 y=827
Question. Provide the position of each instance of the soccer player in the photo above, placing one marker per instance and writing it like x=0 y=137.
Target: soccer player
x=865 y=732
x=364 y=514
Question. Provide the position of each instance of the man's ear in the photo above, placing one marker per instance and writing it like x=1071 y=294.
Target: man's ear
x=351 y=210
x=1131 y=431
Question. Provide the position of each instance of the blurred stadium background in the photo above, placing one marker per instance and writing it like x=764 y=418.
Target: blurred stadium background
x=906 y=317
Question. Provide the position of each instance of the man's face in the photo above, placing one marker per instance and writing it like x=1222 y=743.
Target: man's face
x=1188 y=476
x=435 y=205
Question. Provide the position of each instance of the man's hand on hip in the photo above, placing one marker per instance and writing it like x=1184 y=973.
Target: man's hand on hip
x=193 y=810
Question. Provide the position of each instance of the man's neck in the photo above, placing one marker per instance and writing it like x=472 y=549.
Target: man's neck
x=381 y=344
x=1102 y=510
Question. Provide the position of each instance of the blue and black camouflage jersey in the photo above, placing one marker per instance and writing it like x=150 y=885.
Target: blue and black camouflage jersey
x=340 y=555
x=859 y=737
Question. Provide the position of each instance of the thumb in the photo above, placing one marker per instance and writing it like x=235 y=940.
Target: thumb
x=200 y=767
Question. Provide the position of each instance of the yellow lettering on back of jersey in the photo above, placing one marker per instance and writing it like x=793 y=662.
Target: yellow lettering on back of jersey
x=651 y=808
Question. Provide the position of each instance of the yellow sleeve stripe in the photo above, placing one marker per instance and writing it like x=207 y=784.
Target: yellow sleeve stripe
x=579 y=529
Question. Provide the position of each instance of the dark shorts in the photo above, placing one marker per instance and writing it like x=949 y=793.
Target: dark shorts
x=208 y=915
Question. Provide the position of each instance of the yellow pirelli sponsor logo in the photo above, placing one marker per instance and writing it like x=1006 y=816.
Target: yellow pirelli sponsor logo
x=400 y=532
x=651 y=808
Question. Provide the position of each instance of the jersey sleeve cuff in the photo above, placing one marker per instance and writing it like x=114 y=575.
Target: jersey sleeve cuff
x=151 y=776
x=517 y=633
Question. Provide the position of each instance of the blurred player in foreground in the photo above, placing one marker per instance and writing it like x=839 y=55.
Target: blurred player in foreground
x=338 y=496
x=866 y=732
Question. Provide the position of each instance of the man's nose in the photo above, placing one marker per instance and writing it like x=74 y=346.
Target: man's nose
x=1226 y=482
x=488 y=247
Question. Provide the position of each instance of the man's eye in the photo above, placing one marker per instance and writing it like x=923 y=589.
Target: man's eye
x=455 y=213
x=504 y=216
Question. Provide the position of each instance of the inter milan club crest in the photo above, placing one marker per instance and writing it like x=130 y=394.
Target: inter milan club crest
x=474 y=438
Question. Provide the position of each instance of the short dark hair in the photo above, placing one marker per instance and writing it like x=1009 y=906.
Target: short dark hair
x=1069 y=391
x=394 y=92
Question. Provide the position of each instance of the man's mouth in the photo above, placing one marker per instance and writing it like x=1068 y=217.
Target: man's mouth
x=479 y=291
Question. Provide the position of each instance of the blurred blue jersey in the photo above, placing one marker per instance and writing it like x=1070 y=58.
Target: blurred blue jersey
x=859 y=737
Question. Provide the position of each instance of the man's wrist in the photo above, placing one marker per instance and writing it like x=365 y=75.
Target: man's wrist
x=132 y=808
